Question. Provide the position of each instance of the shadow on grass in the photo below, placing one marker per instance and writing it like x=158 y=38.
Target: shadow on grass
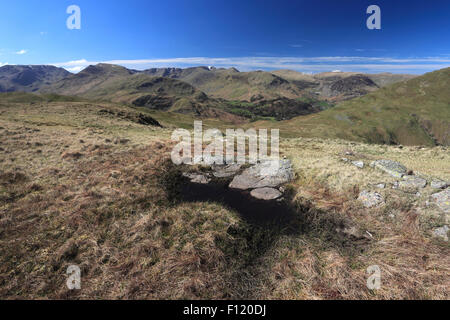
x=263 y=223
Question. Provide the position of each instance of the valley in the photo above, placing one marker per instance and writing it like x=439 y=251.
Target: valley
x=86 y=179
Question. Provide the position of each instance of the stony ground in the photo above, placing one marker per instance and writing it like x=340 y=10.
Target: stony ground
x=82 y=186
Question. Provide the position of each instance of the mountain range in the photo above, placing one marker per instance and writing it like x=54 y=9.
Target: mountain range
x=220 y=83
x=412 y=112
x=29 y=78
x=380 y=108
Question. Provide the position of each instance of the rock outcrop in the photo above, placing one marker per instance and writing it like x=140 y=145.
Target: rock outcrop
x=412 y=183
x=393 y=168
x=221 y=171
x=438 y=184
x=264 y=174
x=263 y=180
x=442 y=200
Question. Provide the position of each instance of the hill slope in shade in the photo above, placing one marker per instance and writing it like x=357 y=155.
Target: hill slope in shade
x=91 y=78
x=29 y=78
x=414 y=112
x=230 y=84
x=120 y=85
x=161 y=89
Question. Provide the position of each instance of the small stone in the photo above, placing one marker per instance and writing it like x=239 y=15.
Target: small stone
x=266 y=193
x=441 y=232
x=344 y=159
x=438 y=184
x=197 y=178
x=442 y=200
x=370 y=199
x=380 y=186
x=358 y=164
x=349 y=231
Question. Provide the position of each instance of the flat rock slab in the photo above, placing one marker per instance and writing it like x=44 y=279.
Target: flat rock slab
x=370 y=199
x=393 y=168
x=442 y=200
x=266 y=193
x=438 y=184
x=264 y=174
x=412 y=184
x=226 y=171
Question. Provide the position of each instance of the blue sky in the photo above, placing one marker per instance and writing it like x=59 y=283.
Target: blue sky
x=307 y=36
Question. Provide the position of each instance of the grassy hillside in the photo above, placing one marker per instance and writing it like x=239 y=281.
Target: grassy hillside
x=84 y=183
x=230 y=84
x=413 y=112
x=162 y=89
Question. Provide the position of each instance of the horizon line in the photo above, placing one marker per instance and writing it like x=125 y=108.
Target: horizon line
x=307 y=65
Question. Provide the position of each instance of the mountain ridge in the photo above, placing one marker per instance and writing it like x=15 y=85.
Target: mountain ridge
x=29 y=78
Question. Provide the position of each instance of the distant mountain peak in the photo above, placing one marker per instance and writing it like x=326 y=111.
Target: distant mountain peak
x=29 y=78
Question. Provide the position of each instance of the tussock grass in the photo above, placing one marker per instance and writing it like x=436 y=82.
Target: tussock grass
x=78 y=186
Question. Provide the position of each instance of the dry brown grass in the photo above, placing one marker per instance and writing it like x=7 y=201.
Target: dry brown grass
x=81 y=187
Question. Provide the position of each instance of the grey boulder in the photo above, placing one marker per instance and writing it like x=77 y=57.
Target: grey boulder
x=391 y=167
x=265 y=174
x=438 y=184
x=442 y=200
x=412 y=184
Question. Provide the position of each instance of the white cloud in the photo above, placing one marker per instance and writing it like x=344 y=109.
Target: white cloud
x=23 y=51
x=303 y=64
x=3 y=64
x=75 y=69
